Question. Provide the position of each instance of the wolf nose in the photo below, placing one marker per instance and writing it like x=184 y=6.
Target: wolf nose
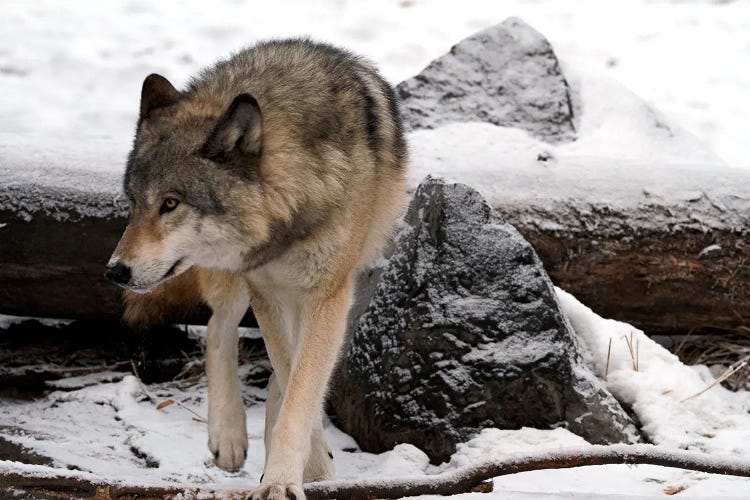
x=118 y=273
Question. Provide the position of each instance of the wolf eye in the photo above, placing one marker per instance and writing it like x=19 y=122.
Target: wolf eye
x=169 y=205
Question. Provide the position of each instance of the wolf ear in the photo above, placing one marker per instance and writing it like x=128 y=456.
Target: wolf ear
x=238 y=131
x=157 y=93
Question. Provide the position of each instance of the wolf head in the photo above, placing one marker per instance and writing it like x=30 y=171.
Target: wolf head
x=190 y=165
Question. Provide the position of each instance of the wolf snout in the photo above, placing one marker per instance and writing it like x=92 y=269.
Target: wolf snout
x=118 y=273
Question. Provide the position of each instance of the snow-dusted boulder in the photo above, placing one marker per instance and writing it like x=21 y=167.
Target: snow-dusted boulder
x=505 y=75
x=464 y=332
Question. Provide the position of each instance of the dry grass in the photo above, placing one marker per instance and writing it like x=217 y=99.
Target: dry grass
x=720 y=352
x=726 y=375
x=633 y=350
x=163 y=404
x=609 y=355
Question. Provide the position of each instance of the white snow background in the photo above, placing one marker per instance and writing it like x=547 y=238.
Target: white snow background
x=73 y=69
x=70 y=74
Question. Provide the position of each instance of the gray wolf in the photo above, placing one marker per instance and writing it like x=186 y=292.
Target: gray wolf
x=269 y=182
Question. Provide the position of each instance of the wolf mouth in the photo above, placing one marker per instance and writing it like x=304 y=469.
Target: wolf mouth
x=172 y=269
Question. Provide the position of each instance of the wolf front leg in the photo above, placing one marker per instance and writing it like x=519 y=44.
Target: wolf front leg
x=319 y=343
x=278 y=337
x=227 y=432
x=319 y=466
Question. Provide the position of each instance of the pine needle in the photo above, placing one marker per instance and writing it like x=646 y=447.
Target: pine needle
x=633 y=357
x=609 y=354
x=728 y=373
x=197 y=417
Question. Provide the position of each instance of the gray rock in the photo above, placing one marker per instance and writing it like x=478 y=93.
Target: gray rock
x=464 y=332
x=506 y=75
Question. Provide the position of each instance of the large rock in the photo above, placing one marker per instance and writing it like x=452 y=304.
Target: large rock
x=464 y=332
x=506 y=75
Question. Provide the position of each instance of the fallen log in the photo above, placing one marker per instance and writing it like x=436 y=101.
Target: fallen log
x=58 y=483
x=665 y=264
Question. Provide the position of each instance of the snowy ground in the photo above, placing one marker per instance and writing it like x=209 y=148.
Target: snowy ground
x=72 y=70
x=105 y=424
x=70 y=74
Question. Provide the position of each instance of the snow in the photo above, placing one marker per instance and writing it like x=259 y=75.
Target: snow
x=620 y=481
x=200 y=331
x=105 y=425
x=97 y=55
x=709 y=250
x=654 y=179
x=7 y=321
x=63 y=145
x=78 y=71
x=627 y=155
x=497 y=442
x=717 y=421
x=71 y=74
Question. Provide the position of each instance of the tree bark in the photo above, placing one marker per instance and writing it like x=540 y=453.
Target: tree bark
x=657 y=281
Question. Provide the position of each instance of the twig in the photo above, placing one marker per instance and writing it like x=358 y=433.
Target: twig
x=62 y=483
x=153 y=399
x=140 y=382
x=197 y=416
x=727 y=373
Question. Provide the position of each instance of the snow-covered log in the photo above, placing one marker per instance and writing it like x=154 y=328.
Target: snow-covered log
x=626 y=211
x=664 y=250
x=61 y=214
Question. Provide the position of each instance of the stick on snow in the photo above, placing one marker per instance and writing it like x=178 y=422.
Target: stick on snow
x=60 y=483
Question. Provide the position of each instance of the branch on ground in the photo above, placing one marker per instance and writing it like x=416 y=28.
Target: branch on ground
x=56 y=483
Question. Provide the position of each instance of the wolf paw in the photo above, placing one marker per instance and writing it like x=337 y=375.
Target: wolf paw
x=229 y=446
x=278 y=491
